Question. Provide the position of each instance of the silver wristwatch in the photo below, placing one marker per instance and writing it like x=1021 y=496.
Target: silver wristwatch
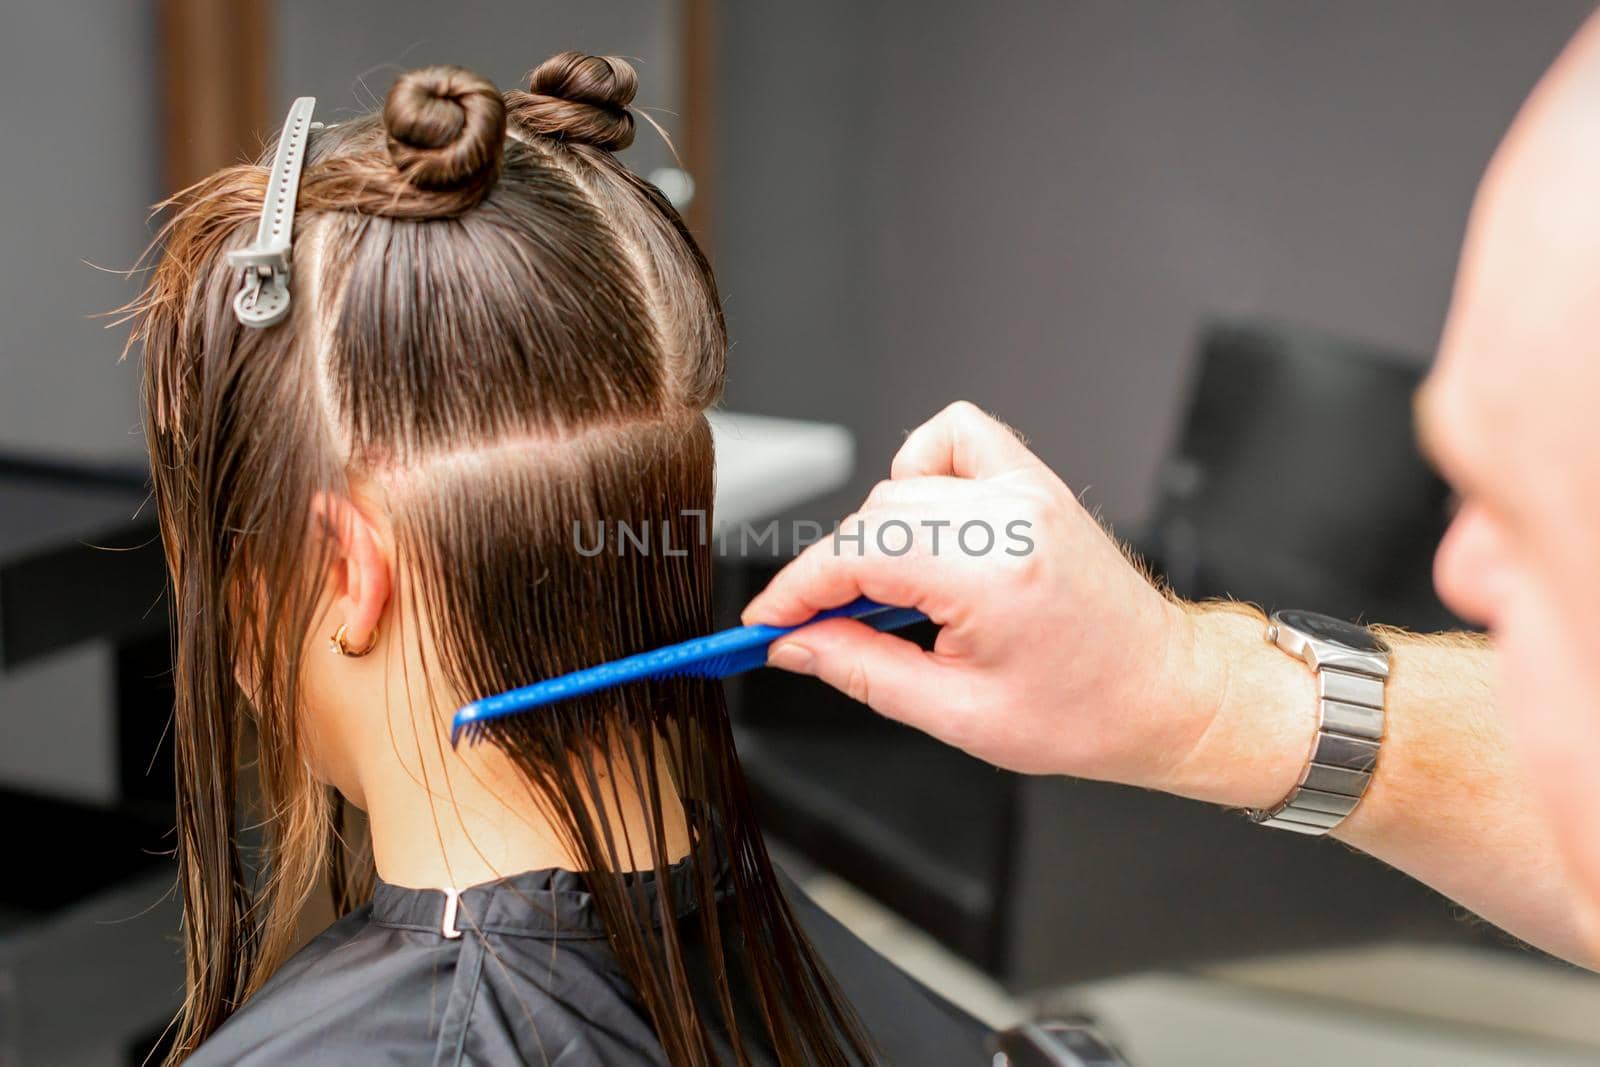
x=1351 y=664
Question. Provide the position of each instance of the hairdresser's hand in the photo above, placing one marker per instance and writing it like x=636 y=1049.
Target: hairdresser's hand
x=1055 y=654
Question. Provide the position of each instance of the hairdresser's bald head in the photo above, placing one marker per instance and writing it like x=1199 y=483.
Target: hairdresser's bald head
x=1510 y=416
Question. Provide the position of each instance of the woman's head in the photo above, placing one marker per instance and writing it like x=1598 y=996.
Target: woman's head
x=498 y=335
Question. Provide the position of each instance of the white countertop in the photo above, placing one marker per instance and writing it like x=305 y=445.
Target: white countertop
x=765 y=466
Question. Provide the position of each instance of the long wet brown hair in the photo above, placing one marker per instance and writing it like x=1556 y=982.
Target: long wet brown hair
x=509 y=335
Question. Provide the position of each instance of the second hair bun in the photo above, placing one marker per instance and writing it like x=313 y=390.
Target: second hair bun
x=579 y=98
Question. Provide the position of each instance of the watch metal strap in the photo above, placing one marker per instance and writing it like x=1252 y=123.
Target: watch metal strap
x=1349 y=729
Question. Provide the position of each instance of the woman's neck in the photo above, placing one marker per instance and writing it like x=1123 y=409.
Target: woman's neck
x=471 y=818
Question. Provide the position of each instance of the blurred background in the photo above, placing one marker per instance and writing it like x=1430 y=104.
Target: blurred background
x=1190 y=250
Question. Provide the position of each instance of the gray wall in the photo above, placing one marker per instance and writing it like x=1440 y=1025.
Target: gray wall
x=1031 y=205
x=79 y=119
x=347 y=54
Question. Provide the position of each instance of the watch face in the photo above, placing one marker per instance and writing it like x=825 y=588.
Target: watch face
x=1331 y=629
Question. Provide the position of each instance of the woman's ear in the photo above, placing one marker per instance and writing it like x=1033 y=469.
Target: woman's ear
x=360 y=570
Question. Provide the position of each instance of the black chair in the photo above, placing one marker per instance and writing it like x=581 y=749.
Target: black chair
x=1296 y=480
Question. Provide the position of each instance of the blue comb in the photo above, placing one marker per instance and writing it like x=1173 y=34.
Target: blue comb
x=729 y=652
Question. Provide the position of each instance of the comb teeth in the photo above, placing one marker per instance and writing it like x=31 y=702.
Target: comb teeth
x=718 y=655
x=472 y=721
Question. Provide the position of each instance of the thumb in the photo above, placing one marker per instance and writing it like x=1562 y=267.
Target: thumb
x=889 y=674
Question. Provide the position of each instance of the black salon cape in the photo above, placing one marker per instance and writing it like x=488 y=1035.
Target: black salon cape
x=537 y=984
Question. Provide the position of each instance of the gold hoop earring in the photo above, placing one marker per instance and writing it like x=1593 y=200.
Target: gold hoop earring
x=337 y=644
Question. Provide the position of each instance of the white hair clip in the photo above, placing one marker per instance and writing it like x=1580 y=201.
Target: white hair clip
x=264 y=300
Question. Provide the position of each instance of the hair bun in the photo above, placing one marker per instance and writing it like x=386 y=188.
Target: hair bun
x=579 y=98
x=446 y=127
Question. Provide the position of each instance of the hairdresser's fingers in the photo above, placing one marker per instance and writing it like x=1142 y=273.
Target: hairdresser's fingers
x=903 y=557
x=964 y=441
x=924 y=492
x=942 y=549
x=889 y=674
x=826 y=576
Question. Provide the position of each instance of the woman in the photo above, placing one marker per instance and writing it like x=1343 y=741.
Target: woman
x=498 y=334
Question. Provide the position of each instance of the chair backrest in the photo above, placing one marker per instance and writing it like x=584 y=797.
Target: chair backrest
x=1296 y=480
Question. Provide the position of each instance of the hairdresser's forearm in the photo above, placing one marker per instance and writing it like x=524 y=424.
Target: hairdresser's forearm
x=1450 y=808
x=1446 y=804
